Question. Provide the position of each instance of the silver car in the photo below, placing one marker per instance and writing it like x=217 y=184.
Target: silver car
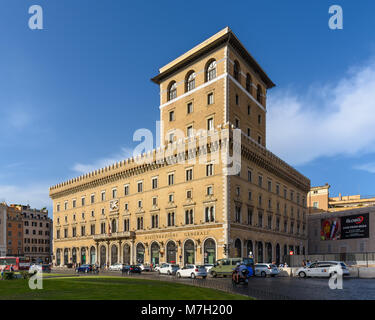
x=266 y=269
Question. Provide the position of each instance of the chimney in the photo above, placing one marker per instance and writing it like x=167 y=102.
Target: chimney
x=340 y=197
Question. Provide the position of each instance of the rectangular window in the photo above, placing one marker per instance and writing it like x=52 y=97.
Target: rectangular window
x=170 y=197
x=82 y=201
x=154 y=183
x=269 y=186
x=154 y=201
x=92 y=199
x=126 y=190
x=189 y=131
x=210 y=191
x=65 y=205
x=277 y=189
x=260 y=220
x=170 y=179
x=92 y=229
x=114 y=193
x=57 y=207
x=260 y=181
x=170 y=219
x=237 y=99
x=248 y=109
x=249 y=216
x=209 y=169
x=140 y=186
x=103 y=195
x=249 y=175
x=189 y=217
x=237 y=123
x=171 y=137
x=210 y=98
x=171 y=116
x=188 y=194
x=248 y=132
x=189 y=107
x=74 y=203
x=259 y=139
x=210 y=124
x=139 y=203
x=189 y=174
x=238 y=214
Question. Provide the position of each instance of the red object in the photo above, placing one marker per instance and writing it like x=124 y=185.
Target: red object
x=269 y=267
x=19 y=263
x=291 y=252
x=196 y=270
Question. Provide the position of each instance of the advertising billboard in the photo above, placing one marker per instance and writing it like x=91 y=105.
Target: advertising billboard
x=348 y=227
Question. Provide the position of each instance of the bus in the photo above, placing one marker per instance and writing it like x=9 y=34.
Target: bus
x=19 y=263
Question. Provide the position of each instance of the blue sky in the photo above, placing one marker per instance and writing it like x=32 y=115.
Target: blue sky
x=72 y=95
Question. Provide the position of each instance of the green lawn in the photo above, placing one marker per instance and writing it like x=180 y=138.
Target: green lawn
x=111 y=288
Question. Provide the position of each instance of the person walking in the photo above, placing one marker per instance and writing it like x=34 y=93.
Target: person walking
x=2 y=273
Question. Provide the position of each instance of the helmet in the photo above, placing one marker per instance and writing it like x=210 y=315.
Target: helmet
x=238 y=263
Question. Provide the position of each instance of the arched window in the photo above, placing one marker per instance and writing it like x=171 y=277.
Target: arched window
x=103 y=256
x=172 y=90
x=74 y=255
x=249 y=248
x=92 y=255
x=190 y=81
x=155 y=253
x=269 y=252
x=114 y=226
x=171 y=252
x=209 y=251
x=259 y=93
x=248 y=83
x=83 y=255
x=211 y=70
x=66 y=256
x=236 y=70
x=114 y=254
x=126 y=254
x=140 y=253
x=237 y=249
x=277 y=254
x=58 y=257
x=189 y=252
x=260 y=252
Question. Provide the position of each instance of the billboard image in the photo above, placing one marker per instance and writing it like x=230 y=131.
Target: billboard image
x=348 y=227
x=331 y=229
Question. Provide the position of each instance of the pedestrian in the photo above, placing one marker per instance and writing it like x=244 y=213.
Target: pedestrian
x=303 y=263
x=285 y=265
x=308 y=263
x=11 y=268
x=2 y=273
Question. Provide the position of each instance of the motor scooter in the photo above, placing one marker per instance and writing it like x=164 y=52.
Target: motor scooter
x=243 y=278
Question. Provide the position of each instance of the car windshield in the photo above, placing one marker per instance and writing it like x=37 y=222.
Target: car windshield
x=343 y=264
x=174 y=265
x=200 y=267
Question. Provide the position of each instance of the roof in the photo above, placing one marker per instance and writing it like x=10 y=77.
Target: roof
x=223 y=36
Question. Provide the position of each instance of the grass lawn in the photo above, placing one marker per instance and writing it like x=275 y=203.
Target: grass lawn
x=109 y=288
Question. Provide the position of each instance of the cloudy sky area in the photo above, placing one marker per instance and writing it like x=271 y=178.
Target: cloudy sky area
x=73 y=94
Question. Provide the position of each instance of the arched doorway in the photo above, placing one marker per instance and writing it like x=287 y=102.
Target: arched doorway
x=171 y=252
x=155 y=253
x=189 y=252
x=140 y=253
x=209 y=251
x=237 y=249
x=58 y=257
x=269 y=252
x=260 y=252
x=126 y=255
x=114 y=254
x=249 y=248
x=277 y=254
x=83 y=255
x=103 y=256
x=92 y=255
x=74 y=255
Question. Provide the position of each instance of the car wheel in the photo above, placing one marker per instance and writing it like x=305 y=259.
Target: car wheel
x=263 y=274
x=213 y=274
x=193 y=275
x=302 y=274
x=178 y=275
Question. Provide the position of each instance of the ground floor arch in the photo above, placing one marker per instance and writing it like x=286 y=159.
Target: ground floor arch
x=189 y=252
x=237 y=248
x=92 y=255
x=171 y=252
x=126 y=254
x=103 y=255
x=114 y=254
x=140 y=252
x=209 y=251
x=155 y=253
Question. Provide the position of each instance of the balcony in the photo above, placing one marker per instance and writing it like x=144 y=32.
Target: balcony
x=115 y=235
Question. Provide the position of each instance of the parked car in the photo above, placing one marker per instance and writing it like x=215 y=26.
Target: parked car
x=168 y=268
x=192 y=271
x=46 y=268
x=144 y=267
x=86 y=268
x=323 y=269
x=208 y=267
x=266 y=269
x=224 y=267
x=116 y=267
x=156 y=267
x=131 y=269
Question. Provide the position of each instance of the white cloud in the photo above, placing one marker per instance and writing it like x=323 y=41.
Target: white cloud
x=101 y=163
x=369 y=167
x=37 y=195
x=328 y=120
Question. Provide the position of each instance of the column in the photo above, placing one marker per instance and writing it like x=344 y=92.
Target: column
x=97 y=253
x=132 y=252
x=108 y=253
x=120 y=252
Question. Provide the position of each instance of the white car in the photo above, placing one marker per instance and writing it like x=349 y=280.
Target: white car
x=144 y=267
x=266 y=269
x=115 y=267
x=208 y=267
x=156 y=268
x=323 y=269
x=168 y=268
x=192 y=271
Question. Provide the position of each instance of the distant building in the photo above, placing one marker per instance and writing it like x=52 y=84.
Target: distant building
x=346 y=231
x=14 y=231
x=3 y=229
x=318 y=201
x=37 y=239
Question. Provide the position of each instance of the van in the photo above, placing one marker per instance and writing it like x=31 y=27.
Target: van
x=224 y=267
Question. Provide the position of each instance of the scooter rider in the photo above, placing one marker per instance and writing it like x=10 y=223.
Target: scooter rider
x=238 y=271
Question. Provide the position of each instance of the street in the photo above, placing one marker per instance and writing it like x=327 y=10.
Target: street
x=278 y=288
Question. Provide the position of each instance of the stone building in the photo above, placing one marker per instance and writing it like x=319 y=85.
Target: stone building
x=165 y=205
x=3 y=229
x=14 y=231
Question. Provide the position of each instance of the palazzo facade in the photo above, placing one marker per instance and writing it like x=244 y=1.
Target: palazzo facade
x=180 y=203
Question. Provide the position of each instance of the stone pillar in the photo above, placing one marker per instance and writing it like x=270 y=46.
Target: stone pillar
x=119 y=252
x=97 y=253
x=108 y=254
x=132 y=252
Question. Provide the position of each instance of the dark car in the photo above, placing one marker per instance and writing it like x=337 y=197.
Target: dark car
x=86 y=268
x=46 y=268
x=131 y=269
